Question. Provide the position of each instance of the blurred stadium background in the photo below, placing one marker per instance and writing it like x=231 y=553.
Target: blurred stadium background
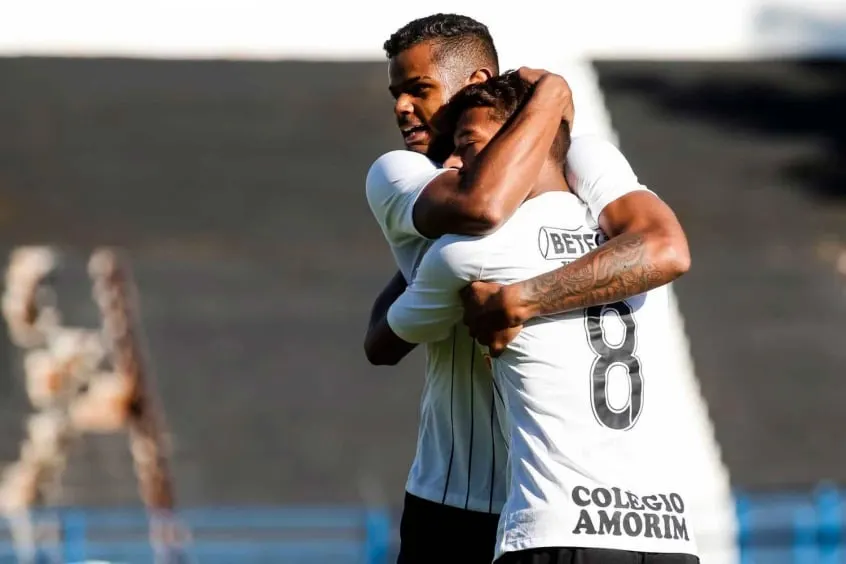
x=224 y=146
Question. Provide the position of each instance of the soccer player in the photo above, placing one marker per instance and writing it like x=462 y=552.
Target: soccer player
x=572 y=386
x=456 y=486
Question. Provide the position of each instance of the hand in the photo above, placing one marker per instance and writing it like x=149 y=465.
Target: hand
x=557 y=84
x=496 y=341
x=532 y=76
x=493 y=313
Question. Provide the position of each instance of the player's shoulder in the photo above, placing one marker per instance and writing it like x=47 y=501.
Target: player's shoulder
x=403 y=157
x=397 y=172
x=597 y=170
x=593 y=147
x=398 y=163
x=459 y=252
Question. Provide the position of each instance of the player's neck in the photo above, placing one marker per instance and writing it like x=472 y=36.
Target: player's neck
x=550 y=179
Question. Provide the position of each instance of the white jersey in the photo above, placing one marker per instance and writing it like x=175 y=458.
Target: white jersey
x=461 y=453
x=574 y=388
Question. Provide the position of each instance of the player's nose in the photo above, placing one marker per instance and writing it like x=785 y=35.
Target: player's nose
x=453 y=161
x=403 y=106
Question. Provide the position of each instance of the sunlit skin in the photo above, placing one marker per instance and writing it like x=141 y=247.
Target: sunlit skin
x=419 y=89
x=474 y=130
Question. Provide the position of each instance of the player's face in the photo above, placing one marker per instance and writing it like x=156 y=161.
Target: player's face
x=419 y=93
x=474 y=131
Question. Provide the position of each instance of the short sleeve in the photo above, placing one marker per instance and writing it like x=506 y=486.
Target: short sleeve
x=431 y=306
x=598 y=173
x=394 y=182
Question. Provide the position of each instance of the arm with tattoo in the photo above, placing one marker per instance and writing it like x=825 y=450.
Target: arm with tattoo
x=647 y=249
x=627 y=265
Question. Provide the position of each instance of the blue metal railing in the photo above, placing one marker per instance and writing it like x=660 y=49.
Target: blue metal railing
x=792 y=527
x=224 y=535
x=773 y=528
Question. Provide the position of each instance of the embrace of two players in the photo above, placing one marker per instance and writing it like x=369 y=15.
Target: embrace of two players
x=533 y=268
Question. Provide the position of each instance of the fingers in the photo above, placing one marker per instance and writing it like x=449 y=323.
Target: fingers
x=530 y=75
x=498 y=341
x=562 y=88
x=479 y=289
x=481 y=307
x=467 y=292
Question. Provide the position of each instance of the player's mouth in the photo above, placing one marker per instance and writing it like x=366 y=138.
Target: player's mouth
x=416 y=135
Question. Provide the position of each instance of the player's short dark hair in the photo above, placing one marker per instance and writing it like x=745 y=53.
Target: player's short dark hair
x=455 y=36
x=504 y=95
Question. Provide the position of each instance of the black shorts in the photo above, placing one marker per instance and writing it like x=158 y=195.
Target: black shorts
x=427 y=528
x=592 y=556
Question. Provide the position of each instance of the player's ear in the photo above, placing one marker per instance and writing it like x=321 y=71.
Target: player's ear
x=480 y=75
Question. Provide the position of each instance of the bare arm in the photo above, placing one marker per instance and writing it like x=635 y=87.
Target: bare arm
x=482 y=197
x=428 y=309
x=647 y=249
x=381 y=346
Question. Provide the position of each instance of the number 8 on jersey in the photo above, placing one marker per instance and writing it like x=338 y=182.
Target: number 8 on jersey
x=609 y=356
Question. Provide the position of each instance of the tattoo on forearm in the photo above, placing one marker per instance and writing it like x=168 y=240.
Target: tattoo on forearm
x=619 y=269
